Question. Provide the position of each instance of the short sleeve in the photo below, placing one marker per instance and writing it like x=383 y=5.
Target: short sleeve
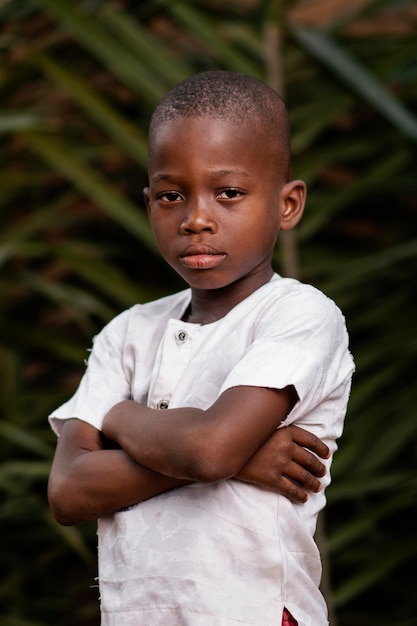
x=104 y=382
x=302 y=342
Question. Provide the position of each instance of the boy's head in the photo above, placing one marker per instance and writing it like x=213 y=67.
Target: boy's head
x=236 y=98
x=219 y=180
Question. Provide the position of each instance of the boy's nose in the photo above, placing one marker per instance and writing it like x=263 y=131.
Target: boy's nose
x=198 y=219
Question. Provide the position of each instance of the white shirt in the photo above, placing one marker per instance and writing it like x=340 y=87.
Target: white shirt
x=224 y=553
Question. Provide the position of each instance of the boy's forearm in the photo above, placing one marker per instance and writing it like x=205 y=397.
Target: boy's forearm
x=200 y=445
x=100 y=483
x=148 y=438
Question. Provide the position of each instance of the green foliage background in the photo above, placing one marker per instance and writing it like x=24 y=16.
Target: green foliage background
x=78 y=81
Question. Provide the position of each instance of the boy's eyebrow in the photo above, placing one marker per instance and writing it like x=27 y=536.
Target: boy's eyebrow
x=169 y=178
x=239 y=173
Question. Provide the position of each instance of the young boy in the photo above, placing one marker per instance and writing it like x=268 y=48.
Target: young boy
x=193 y=387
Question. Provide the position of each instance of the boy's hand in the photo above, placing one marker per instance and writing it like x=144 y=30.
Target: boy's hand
x=287 y=463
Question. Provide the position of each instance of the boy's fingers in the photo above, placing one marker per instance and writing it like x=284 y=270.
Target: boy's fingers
x=308 y=481
x=298 y=482
x=308 y=462
x=308 y=440
x=292 y=490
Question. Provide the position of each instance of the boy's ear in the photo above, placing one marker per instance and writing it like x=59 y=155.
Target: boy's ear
x=293 y=196
x=147 y=197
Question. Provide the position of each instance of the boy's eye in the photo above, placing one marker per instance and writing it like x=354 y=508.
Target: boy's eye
x=169 y=196
x=229 y=194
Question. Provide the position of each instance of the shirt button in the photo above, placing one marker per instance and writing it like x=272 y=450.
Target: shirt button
x=163 y=404
x=181 y=336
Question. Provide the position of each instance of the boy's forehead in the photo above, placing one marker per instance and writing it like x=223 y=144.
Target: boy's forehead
x=203 y=129
x=204 y=134
x=216 y=145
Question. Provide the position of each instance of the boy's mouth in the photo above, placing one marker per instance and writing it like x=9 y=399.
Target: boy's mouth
x=201 y=257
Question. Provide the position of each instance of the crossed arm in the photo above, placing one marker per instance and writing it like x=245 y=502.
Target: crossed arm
x=161 y=450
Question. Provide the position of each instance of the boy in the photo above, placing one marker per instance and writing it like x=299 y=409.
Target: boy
x=193 y=387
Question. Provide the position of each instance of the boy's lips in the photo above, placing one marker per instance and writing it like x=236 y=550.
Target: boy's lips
x=201 y=257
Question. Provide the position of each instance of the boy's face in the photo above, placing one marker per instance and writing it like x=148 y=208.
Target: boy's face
x=216 y=201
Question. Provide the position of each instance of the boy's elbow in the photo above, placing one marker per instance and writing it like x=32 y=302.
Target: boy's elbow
x=63 y=517
x=62 y=504
x=60 y=512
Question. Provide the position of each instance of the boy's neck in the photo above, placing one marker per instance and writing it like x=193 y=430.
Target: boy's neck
x=210 y=305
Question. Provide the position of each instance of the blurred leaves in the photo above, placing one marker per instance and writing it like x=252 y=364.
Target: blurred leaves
x=358 y=77
x=78 y=82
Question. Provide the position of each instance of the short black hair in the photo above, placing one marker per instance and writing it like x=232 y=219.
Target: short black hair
x=232 y=96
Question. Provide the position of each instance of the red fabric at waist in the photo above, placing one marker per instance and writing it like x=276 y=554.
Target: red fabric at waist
x=287 y=619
